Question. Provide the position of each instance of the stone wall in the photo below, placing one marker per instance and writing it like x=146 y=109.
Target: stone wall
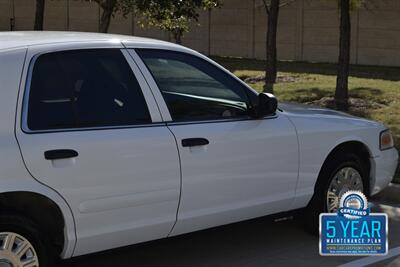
x=308 y=29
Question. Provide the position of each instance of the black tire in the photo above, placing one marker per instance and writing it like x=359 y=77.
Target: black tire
x=317 y=204
x=29 y=230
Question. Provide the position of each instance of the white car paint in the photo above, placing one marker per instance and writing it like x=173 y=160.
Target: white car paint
x=107 y=180
x=14 y=175
x=320 y=131
x=234 y=178
x=147 y=186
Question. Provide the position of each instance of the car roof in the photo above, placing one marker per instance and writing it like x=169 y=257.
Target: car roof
x=18 y=39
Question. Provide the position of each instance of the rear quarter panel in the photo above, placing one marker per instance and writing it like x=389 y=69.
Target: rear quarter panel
x=13 y=175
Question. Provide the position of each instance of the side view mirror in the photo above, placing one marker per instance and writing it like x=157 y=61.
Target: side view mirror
x=267 y=105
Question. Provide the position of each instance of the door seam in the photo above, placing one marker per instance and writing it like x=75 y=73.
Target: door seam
x=26 y=166
x=180 y=177
x=298 y=162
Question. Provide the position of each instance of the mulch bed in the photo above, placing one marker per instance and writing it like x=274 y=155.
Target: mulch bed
x=357 y=105
x=279 y=79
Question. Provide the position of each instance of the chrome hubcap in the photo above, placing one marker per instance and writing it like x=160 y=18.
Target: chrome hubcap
x=16 y=251
x=345 y=179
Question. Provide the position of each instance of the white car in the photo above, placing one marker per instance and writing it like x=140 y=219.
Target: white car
x=110 y=140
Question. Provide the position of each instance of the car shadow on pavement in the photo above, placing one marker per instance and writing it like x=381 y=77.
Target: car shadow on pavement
x=251 y=242
x=258 y=242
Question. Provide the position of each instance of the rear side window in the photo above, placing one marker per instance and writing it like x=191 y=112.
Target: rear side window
x=84 y=88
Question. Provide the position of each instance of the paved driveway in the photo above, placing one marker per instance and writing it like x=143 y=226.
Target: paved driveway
x=260 y=242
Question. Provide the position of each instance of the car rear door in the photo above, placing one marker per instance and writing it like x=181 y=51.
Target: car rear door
x=233 y=167
x=90 y=129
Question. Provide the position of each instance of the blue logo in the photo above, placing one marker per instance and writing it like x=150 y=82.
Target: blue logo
x=354 y=230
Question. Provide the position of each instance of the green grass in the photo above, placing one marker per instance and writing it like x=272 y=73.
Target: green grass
x=312 y=81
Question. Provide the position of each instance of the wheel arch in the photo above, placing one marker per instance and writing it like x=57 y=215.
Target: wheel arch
x=34 y=202
x=354 y=146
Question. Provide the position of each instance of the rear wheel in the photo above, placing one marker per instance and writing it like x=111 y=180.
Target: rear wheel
x=22 y=244
x=342 y=173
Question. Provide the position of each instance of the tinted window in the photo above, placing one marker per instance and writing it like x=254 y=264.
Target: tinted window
x=193 y=88
x=84 y=88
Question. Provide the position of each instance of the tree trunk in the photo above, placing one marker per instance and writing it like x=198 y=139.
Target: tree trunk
x=108 y=10
x=342 y=94
x=39 y=16
x=178 y=36
x=271 y=66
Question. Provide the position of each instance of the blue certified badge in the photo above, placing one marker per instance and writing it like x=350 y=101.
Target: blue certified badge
x=353 y=231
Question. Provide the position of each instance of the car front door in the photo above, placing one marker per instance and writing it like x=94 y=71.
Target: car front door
x=234 y=167
x=90 y=129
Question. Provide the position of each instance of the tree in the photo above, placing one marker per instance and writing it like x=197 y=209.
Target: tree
x=39 y=15
x=341 y=93
x=272 y=9
x=342 y=88
x=109 y=7
x=173 y=16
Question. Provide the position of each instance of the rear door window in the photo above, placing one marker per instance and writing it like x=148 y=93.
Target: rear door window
x=84 y=88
